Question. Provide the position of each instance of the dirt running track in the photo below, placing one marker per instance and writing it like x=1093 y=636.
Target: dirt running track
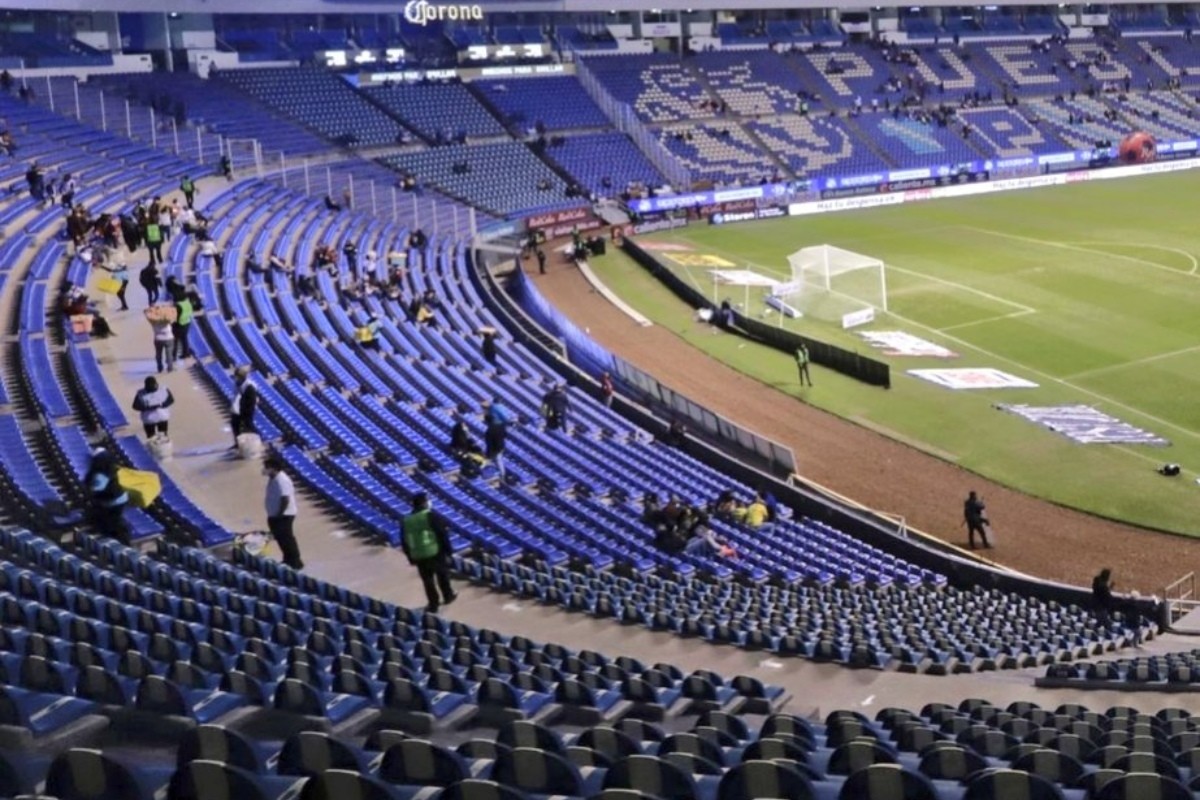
x=1036 y=537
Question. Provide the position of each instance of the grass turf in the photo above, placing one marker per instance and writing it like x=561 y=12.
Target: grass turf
x=1092 y=291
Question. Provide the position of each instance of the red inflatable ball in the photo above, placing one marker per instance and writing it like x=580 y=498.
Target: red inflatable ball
x=1138 y=148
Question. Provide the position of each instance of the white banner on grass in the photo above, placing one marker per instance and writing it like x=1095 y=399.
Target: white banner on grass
x=972 y=378
x=899 y=343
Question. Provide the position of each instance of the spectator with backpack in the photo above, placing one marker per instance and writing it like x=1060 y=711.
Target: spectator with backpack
x=497 y=418
x=425 y=539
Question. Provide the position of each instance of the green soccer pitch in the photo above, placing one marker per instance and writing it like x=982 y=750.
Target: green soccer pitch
x=1091 y=291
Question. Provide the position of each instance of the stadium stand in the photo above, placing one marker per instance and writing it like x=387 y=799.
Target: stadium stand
x=557 y=101
x=321 y=100
x=591 y=159
x=256 y=681
x=500 y=177
x=435 y=110
x=271 y=683
x=213 y=105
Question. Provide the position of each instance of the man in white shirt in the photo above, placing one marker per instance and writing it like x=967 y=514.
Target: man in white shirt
x=281 y=510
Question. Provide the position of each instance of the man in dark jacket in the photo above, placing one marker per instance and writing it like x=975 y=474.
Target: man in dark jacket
x=109 y=498
x=975 y=518
x=245 y=400
x=490 y=352
x=555 y=406
x=426 y=542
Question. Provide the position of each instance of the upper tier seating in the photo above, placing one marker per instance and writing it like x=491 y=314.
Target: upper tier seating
x=592 y=158
x=1005 y=133
x=754 y=83
x=433 y=109
x=572 y=38
x=321 y=100
x=816 y=146
x=908 y=141
x=502 y=176
x=720 y=152
x=557 y=101
x=658 y=87
x=216 y=106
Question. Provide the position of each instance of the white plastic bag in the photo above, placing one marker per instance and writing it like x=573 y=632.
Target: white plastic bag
x=250 y=445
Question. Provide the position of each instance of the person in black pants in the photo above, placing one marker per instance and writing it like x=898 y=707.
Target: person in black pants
x=975 y=518
x=245 y=400
x=426 y=542
x=281 y=511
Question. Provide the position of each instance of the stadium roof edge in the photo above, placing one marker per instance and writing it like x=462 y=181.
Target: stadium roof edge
x=390 y=6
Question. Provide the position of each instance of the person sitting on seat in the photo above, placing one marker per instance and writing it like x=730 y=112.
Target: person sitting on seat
x=756 y=512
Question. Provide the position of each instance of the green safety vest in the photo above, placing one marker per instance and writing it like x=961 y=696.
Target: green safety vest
x=801 y=357
x=187 y=186
x=153 y=233
x=420 y=537
x=185 y=312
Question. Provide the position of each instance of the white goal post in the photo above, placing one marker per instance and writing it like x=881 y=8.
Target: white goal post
x=833 y=284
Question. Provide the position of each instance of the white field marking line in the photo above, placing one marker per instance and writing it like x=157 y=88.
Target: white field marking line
x=1136 y=363
x=1047 y=377
x=1078 y=249
x=986 y=320
x=1024 y=309
x=1176 y=250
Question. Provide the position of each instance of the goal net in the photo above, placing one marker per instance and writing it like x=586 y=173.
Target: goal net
x=245 y=155
x=834 y=285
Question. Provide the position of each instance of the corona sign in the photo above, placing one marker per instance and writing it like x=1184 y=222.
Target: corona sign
x=423 y=12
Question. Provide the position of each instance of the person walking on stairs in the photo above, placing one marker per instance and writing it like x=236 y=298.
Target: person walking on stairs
x=426 y=541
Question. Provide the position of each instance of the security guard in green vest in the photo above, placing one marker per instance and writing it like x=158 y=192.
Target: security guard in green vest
x=426 y=542
x=802 y=364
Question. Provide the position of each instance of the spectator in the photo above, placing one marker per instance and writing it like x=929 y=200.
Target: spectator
x=555 y=407
x=756 y=512
x=189 y=191
x=36 y=180
x=6 y=81
x=975 y=518
x=461 y=440
x=281 y=510
x=153 y=402
x=677 y=434
x=78 y=226
x=702 y=540
x=350 y=251
x=209 y=248
x=497 y=419
x=541 y=259
x=227 y=167
x=368 y=335
x=66 y=189
x=165 y=221
x=184 y=313
x=652 y=511
x=154 y=239
x=490 y=352
x=330 y=205
x=120 y=273
x=370 y=265
x=426 y=542
x=607 y=390
x=150 y=281
x=109 y=498
x=245 y=401
x=1102 y=596
x=164 y=338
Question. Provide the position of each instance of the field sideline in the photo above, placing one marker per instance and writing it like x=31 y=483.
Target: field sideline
x=1090 y=291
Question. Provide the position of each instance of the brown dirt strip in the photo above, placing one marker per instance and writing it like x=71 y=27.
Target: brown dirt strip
x=1033 y=536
